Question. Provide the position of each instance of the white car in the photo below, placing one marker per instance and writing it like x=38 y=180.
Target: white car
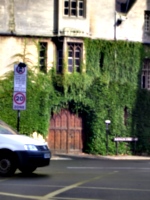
x=20 y=151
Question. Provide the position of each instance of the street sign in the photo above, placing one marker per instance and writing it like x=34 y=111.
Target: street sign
x=20 y=69
x=20 y=74
x=19 y=101
x=19 y=95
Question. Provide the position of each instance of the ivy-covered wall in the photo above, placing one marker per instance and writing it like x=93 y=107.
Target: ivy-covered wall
x=110 y=89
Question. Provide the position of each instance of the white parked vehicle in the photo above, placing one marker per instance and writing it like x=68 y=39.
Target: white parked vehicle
x=20 y=151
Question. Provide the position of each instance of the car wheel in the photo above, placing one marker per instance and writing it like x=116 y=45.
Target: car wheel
x=27 y=170
x=7 y=166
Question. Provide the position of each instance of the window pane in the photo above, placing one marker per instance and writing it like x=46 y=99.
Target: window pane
x=77 y=54
x=80 y=4
x=60 y=69
x=73 y=12
x=60 y=53
x=66 y=11
x=77 y=62
x=66 y=4
x=43 y=56
x=42 y=53
x=73 y=4
x=70 y=62
x=60 y=62
x=70 y=54
x=70 y=68
x=77 y=69
x=81 y=13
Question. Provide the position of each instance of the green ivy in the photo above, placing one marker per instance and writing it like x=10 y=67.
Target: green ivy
x=111 y=84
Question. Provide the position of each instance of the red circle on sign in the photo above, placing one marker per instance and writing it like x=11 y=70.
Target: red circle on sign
x=19 y=98
x=20 y=70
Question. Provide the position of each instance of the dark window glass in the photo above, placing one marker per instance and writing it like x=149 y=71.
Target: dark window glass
x=66 y=11
x=73 y=12
x=143 y=82
x=66 y=4
x=70 y=62
x=60 y=53
x=80 y=4
x=77 y=69
x=43 y=56
x=70 y=53
x=77 y=62
x=147 y=21
x=77 y=54
x=60 y=60
x=73 y=4
x=125 y=116
x=80 y=12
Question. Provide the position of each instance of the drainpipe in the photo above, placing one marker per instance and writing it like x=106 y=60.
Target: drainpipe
x=115 y=25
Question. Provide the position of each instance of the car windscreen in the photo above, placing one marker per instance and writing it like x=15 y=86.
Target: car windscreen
x=6 y=129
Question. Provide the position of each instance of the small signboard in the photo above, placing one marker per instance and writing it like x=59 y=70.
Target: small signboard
x=125 y=139
x=19 y=101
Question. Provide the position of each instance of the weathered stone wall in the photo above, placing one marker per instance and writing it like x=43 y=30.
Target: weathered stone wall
x=12 y=46
x=27 y=17
x=45 y=19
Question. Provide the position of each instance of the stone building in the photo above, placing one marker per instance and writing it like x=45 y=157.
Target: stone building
x=57 y=26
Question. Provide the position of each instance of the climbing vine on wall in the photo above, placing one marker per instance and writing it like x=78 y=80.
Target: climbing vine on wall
x=110 y=86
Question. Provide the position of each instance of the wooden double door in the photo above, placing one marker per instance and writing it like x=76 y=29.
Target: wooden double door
x=66 y=133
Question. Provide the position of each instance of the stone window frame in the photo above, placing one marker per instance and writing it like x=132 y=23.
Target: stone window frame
x=73 y=56
x=75 y=51
x=43 y=48
x=74 y=8
x=145 y=77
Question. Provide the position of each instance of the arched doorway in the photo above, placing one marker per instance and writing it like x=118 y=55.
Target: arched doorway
x=66 y=134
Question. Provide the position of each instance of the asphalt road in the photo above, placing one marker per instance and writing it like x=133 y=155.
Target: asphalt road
x=81 y=179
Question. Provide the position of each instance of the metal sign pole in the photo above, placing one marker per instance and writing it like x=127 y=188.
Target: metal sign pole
x=18 y=120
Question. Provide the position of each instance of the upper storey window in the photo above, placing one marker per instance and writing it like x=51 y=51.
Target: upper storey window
x=147 y=21
x=74 y=8
x=145 y=79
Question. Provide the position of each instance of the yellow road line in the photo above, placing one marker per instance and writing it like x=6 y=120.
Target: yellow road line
x=52 y=194
x=64 y=198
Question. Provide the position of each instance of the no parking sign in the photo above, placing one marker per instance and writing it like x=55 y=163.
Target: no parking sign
x=20 y=76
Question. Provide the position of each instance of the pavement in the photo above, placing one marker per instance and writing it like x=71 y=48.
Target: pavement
x=69 y=156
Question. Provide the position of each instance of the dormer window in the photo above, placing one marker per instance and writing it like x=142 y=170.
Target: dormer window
x=74 y=8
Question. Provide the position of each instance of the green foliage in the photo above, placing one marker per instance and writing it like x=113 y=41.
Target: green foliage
x=111 y=84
